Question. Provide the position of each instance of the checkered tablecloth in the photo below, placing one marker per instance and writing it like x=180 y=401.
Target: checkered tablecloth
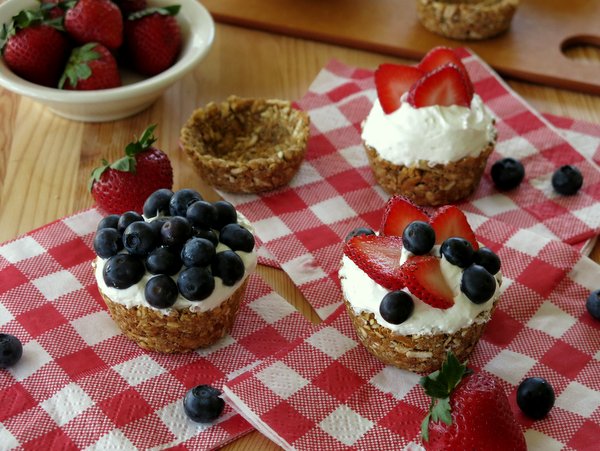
x=81 y=384
x=347 y=399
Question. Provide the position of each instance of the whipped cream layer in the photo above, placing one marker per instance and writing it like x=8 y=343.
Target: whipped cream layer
x=134 y=295
x=435 y=134
x=365 y=295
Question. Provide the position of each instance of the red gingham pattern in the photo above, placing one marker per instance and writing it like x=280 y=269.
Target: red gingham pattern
x=303 y=224
x=347 y=399
x=81 y=384
x=584 y=136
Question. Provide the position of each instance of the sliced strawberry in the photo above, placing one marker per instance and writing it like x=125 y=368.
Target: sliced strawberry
x=393 y=80
x=423 y=277
x=444 y=86
x=449 y=221
x=399 y=212
x=379 y=257
x=439 y=56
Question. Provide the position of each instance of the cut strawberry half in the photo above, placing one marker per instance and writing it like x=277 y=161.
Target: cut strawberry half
x=439 y=56
x=444 y=86
x=423 y=277
x=393 y=80
x=379 y=257
x=449 y=221
x=399 y=212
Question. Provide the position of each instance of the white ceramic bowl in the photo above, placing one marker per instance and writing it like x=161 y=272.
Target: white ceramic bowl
x=137 y=93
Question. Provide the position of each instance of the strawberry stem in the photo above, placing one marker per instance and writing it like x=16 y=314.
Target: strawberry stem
x=78 y=65
x=171 y=10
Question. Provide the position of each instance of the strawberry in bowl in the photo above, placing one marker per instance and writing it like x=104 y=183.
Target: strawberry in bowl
x=420 y=287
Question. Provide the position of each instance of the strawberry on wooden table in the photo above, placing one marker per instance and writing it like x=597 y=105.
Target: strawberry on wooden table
x=125 y=184
x=95 y=21
x=91 y=66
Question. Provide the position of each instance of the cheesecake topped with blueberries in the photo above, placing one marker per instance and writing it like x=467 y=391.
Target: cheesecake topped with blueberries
x=174 y=277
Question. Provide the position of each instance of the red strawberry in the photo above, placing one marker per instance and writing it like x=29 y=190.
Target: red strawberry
x=53 y=9
x=379 y=257
x=470 y=411
x=449 y=221
x=153 y=39
x=423 y=277
x=125 y=184
x=34 y=48
x=439 y=56
x=95 y=21
x=130 y=6
x=444 y=86
x=91 y=66
x=399 y=212
x=393 y=80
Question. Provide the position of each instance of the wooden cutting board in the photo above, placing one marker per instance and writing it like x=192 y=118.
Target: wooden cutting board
x=530 y=50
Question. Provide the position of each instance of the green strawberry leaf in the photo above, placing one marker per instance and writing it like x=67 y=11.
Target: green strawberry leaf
x=97 y=173
x=171 y=10
x=143 y=143
x=77 y=67
x=125 y=164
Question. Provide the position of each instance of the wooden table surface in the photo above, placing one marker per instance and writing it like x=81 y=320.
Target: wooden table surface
x=45 y=161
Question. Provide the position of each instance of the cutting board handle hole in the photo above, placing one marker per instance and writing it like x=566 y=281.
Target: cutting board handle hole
x=584 y=48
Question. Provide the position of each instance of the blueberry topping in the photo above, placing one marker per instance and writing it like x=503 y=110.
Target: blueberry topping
x=207 y=234
x=477 y=284
x=507 y=173
x=202 y=214
x=359 y=231
x=175 y=232
x=158 y=203
x=181 y=200
x=567 y=180
x=123 y=270
x=195 y=283
x=418 y=237
x=229 y=267
x=161 y=291
x=593 y=304
x=127 y=218
x=109 y=222
x=396 y=307
x=485 y=257
x=107 y=242
x=197 y=252
x=11 y=350
x=535 y=397
x=237 y=238
x=226 y=214
x=139 y=238
x=203 y=404
x=163 y=260
x=157 y=225
x=458 y=251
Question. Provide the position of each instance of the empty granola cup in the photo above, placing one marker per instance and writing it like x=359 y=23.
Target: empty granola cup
x=246 y=145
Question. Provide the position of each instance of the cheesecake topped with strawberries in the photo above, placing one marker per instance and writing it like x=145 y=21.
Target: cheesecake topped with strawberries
x=428 y=134
x=420 y=287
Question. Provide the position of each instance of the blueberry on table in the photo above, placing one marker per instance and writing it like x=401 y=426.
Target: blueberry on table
x=458 y=251
x=237 y=238
x=11 y=350
x=593 y=304
x=161 y=291
x=140 y=238
x=396 y=307
x=157 y=203
x=359 y=231
x=123 y=270
x=109 y=222
x=226 y=214
x=181 y=201
x=567 y=180
x=195 y=284
x=175 y=232
x=203 y=404
x=535 y=397
x=202 y=214
x=127 y=218
x=197 y=252
x=229 y=267
x=477 y=284
x=486 y=257
x=418 y=237
x=107 y=242
x=163 y=260
x=507 y=173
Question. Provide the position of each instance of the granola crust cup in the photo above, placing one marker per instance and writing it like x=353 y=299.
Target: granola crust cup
x=416 y=353
x=246 y=145
x=181 y=330
x=466 y=19
x=430 y=185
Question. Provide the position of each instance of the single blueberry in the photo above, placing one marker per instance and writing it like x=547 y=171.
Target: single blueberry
x=359 y=231
x=207 y=234
x=123 y=270
x=202 y=214
x=157 y=225
x=181 y=200
x=157 y=203
x=127 y=218
x=203 y=404
x=486 y=257
x=237 y=238
x=226 y=214
x=163 y=260
x=507 y=173
x=593 y=304
x=477 y=284
x=139 y=238
x=418 y=237
x=535 y=397
x=109 y=222
x=195 y=284
x=567 y=180
x=396 y=307
x=228 y=266
x=175 y=232
x=107 y=242
x=197 y=252
x=458 y=251
x=161 y=291
x=11 y=350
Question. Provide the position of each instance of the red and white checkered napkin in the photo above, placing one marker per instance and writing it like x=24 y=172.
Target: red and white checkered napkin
x=81 y=384
x=303 y=225
x=327 y=392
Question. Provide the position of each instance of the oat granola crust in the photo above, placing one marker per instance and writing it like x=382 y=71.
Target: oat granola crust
x=180 y=331
x=466 y=19
x=246 y=145
x=419 y=354
x=430 y=186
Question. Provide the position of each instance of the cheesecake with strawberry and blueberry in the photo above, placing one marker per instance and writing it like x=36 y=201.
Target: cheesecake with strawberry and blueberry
x=428 y=135
x=419 y=287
